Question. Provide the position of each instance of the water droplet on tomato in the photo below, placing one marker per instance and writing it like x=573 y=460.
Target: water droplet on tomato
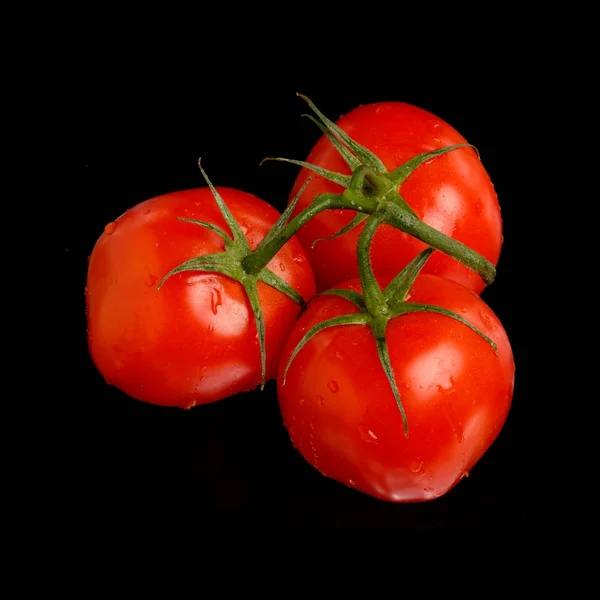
x=321 y=401
x=407 y=297
x=428 y=489
x=298 y=258
x=366 y=435
x=351 y=482
x=211 y=327
x=147 y=212
x=333 y=385
x=215 y=300
x=281 y=267
x=340 y=356
x=485 y=317
x=416 y=467
x=151 y=280
x=463 y=309
x=190 y=405
x=465 y=474
x=110 y=228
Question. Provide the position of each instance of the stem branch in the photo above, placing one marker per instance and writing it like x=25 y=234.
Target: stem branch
x=401 y=219
x=261 y=257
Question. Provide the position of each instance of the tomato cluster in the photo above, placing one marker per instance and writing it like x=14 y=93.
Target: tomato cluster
x=362 y=300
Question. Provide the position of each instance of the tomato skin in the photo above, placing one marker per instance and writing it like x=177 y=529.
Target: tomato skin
x=340 y=412
x=452 y=193
x=193 y=341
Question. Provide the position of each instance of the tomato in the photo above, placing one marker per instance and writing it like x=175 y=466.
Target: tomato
x=194 y=340
x=452 y=193
x=340 y=412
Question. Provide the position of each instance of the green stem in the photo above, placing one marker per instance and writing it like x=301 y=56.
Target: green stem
x=400 y=218
x=261 y=257
x=373 y=295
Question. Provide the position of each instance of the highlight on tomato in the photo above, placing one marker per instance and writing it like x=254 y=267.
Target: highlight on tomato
x=422 y=164
x=174 y=318
x=396 y=386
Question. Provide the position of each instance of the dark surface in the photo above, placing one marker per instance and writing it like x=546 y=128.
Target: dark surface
x=140 y=135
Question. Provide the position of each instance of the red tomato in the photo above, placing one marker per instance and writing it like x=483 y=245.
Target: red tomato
x=452 y=193
x=195 y=340
x=340 y=411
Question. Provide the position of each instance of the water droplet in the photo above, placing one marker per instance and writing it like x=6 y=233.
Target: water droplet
x=367 y=435
x=190 y=405
x=416 y=467
x=301 y=401
x=465 y=474
x=436 y=125
x=463 y=309
x=456 y=427
x=485 y=317
x=147 y=212
x=243 y=227
x=407 y=297
x=215 y=300
x=151 y=280
x=428 y=489
x=321 y=401
x=110 y=228
x=446 y=385
x=333 y=385
x=156 y=245
x=340 y=356
x=298 y=258
x=211 y=327
x=281 y=267
x=351 y=482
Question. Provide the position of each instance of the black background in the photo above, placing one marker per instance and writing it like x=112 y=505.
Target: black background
x=139 y=125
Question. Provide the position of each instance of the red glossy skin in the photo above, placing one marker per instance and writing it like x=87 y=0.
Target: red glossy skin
x=340 y=412
x=452 y=193
x=193 y=341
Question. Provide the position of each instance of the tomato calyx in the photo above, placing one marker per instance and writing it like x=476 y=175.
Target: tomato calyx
x=230 y=263
x=371 y=183
x=377 y=307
